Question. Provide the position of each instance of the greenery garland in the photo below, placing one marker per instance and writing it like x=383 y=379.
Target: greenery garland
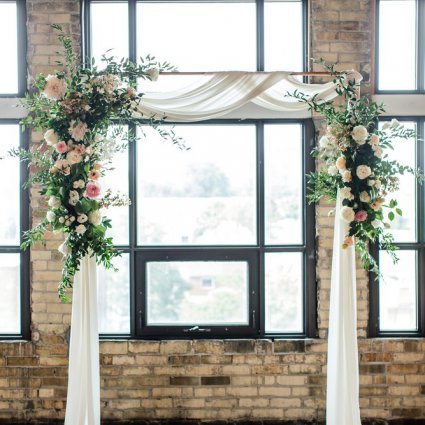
x=76 y=109
x=353 y=162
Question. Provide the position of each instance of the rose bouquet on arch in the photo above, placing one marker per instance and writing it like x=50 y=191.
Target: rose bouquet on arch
x=76 y=109
x=353 y=161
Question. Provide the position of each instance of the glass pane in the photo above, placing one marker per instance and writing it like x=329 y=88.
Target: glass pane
x=397 y=36
x=283 y=35
x=114 y=297
x=197 y=293
x=8 y=48
x=10 y=305
x=109 y=23
x=197 y=36
x=203 y=196
x=404 y=228
x=117 y=179
x=284 y=292
x=283 y=177
x=398 y=292
x=9 y=172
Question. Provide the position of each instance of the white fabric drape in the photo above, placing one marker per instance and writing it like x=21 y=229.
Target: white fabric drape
x=83 y=401
x=342 y=398
x=224 y=92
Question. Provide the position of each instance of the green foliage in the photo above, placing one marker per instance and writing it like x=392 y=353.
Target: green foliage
x=76 y=109
x=353 y=160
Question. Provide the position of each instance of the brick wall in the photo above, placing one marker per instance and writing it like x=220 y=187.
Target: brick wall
x=207 y=380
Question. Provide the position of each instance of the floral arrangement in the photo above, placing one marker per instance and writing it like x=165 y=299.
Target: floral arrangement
x=76 y=109
x=354 y=162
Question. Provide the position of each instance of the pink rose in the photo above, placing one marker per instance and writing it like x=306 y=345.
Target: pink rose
x=55 y=87
x=61 y=147
x=77 y=130
x=361 y=215
x=92 y=190
x=81 y=149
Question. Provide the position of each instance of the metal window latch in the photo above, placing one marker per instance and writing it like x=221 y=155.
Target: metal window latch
x=197 y=329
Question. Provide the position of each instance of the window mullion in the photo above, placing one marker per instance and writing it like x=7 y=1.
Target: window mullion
x=420 y=65
x=132 y=31
x=260 y=35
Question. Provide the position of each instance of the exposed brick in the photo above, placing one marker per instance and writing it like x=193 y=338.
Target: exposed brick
x=215 y=380
x=184 y=380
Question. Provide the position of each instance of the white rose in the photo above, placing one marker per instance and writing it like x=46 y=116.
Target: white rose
x=346 y=193
x=78 y=184
x=371 y=182
x=80 y=229
x=82 y=218
x=332 y=170
x=376 y=223
x=64 y=248
x=363 y=172
x=72 y=201
x=394 y=123
x=359 y=134
x=378 y=184
x=95 y=217
x=61 y=220
x=324 y=142
x=153 y=73
x=364 y=196
x=51 y=137
x=347 y=214
x=73 y=194
x=54 y=202
x=50 y=216
x=73 y=157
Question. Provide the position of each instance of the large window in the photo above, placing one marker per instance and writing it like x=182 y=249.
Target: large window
x=14 y=301
x=397 y=300
x=400 y=46
x=218 y=241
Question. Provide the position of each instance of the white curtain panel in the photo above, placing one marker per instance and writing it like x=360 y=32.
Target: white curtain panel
x=220 y=94
x=83 y=401
x=342 y=397
x=224 y=92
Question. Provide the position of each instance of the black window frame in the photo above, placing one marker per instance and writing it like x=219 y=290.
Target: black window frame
x=25 y=332
x=420 y=51
x=132 y=27
x=253 y=254
x=418 y=246
x=21 y=17
x=25 y=313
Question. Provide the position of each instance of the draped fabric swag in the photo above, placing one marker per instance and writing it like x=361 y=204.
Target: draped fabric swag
x=208 y=98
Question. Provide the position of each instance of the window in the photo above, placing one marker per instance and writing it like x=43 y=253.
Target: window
x=397 y=300
x=14 y=302
x=400 y=28
x=218 y=241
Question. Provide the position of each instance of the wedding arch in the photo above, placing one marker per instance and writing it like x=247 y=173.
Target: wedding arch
x=75 y=107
